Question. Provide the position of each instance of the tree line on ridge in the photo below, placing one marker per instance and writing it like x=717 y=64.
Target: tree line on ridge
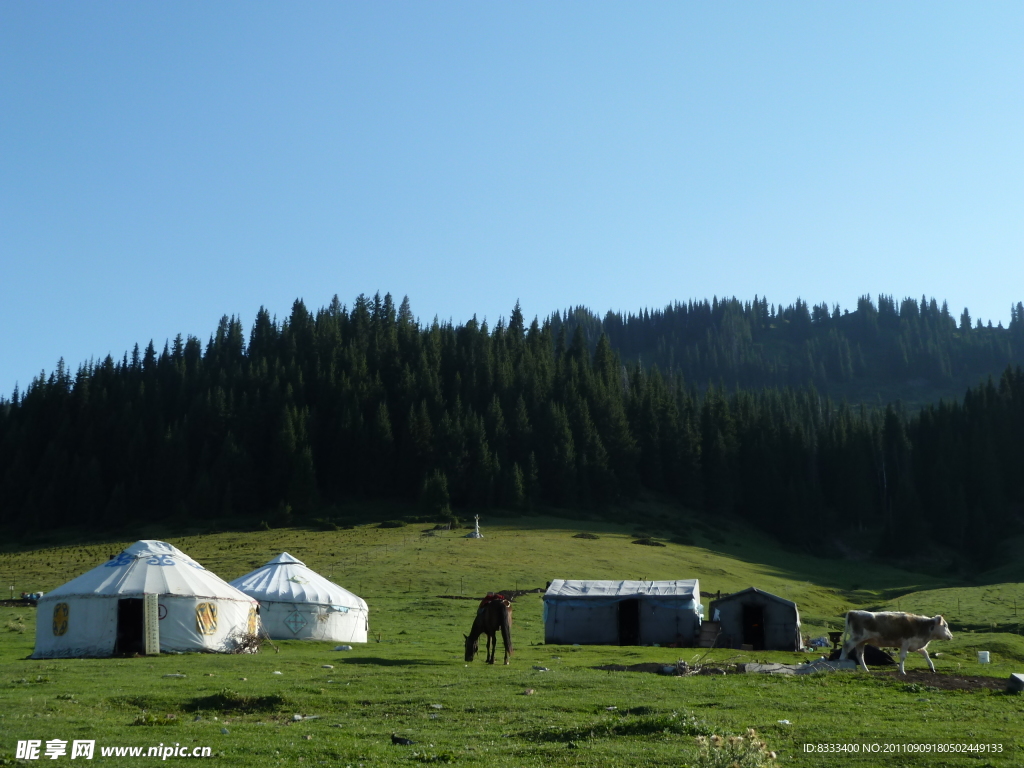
x=301 y=417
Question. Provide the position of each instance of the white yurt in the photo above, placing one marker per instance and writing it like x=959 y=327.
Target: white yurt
x=152 y=597
x=297 y=603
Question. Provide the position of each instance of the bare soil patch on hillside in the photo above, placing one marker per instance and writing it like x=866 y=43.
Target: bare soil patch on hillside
x=947 y=682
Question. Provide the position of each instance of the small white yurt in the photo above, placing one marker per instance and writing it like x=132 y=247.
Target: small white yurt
x=297 y=603
x=150 y=598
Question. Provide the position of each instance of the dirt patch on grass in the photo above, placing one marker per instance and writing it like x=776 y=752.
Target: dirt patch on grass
x=664 y=669
x=647 y=667
x=913 y=677
x=945 y=682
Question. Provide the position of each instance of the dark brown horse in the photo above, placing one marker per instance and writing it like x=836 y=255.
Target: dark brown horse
x=494 y=614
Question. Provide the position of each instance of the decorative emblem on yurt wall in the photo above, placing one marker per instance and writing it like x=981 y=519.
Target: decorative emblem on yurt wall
x=206 y=618
x=61 y=612
x=295 y=621
x=252 y=621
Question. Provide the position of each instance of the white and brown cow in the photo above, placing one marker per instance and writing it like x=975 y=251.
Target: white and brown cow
x=906 y=631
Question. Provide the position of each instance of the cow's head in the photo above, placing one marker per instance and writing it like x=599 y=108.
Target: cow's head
x=940 y=629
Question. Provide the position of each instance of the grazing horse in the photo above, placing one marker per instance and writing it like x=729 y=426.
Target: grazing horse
x=494 y=613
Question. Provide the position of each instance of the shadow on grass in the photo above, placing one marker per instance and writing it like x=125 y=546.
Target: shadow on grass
x=879 y=580
x=373 y=661
x=624 y=725
x=230 y=701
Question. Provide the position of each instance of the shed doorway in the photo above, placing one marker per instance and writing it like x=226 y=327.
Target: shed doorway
x=130 y=621
x=629 y=622
x=753 y=626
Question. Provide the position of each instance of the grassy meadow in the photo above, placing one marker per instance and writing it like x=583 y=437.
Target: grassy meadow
x=410 y=679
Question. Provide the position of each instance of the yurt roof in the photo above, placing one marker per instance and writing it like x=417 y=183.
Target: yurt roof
x=689 y=588
x=148 y=567
x=286 y=579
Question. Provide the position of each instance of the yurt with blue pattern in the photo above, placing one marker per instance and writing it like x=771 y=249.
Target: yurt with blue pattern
x=152 y=597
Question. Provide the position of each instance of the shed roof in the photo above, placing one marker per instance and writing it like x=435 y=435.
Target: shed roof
x=748 y=590
x=689 y=588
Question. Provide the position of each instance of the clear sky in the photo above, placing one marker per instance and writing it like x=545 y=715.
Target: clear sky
x=163 y=164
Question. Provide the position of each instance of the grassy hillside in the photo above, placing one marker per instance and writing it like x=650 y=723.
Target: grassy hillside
x=483 y=717
x=523 y=552
x=983 y=608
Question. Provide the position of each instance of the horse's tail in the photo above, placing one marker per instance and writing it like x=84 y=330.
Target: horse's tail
x=506 y=629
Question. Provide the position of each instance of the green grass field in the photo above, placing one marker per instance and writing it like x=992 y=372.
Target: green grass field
x=414 y=682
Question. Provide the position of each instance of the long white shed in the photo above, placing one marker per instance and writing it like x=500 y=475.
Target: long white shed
x=622 y=612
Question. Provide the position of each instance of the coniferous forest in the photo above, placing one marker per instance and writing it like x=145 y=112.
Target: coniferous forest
x=914 y=350
x=299 y=418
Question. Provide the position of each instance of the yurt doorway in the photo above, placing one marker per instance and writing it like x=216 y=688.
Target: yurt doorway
x=629 y=622
x=130 y=638
x=753 y=626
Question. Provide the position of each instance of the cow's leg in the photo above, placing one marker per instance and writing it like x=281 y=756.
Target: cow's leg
x=860 y=657
x=903 y=657
x=848 y=646
x=924 y=652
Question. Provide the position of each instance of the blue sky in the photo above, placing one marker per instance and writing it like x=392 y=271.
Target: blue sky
x=163 y=164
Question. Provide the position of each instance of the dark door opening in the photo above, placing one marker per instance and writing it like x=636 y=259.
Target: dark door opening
x=753 y=626
x=629 y=622
x=130 y=620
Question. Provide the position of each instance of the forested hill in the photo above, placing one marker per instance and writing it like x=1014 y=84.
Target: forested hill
x=881 y=352
x=299 y=418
